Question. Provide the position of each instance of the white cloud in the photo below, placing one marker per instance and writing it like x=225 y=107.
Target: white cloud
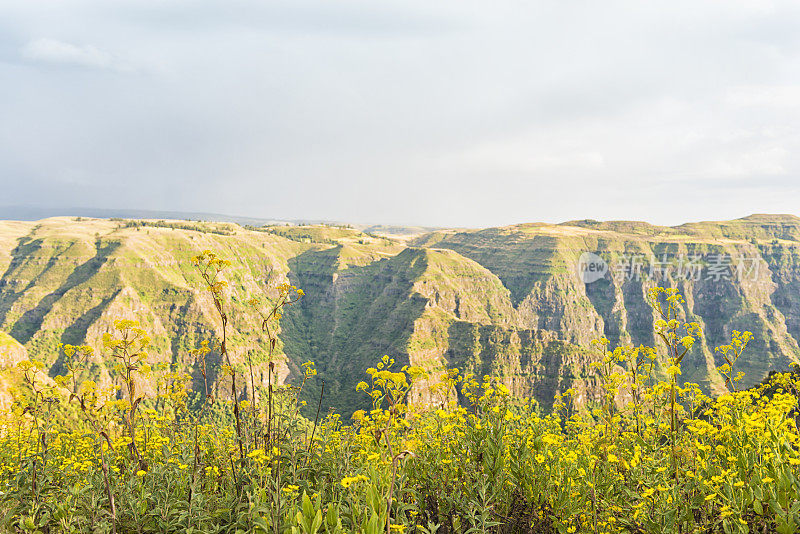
x=765 y=96
x=767 y=161
x=60 y=52
x=525 y=154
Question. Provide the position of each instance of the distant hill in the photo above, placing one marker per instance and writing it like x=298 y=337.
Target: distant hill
x=25 y=213
x=509 y=301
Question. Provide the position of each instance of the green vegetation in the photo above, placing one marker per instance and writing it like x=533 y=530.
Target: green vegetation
x=220 y=229
x=320 y=233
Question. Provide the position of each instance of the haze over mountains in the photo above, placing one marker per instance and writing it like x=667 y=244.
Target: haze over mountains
x=511 y=301
x=28 y=213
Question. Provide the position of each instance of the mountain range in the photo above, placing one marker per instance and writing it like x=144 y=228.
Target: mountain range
x=522 y=302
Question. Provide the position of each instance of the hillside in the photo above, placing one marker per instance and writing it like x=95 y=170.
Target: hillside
x=504 y=300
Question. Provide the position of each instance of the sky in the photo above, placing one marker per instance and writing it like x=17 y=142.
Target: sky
x=444 y=113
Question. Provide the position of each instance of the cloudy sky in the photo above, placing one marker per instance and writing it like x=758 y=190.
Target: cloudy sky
x=454 y=113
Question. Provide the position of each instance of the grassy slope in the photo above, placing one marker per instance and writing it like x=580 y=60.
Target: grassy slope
x=537 y=263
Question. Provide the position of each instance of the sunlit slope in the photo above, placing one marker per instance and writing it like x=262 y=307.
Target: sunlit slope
x=539 y=265
x=425 y=307
x=68 y=280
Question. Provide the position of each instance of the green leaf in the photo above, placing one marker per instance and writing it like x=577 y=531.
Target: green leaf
x=775 y=507
x=308 y=508
x=260 y=523
x=332 y=517
x=317 y=522
x=784 y=526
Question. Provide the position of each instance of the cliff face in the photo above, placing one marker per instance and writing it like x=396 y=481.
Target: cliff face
x=740 y=275
x=510 y=301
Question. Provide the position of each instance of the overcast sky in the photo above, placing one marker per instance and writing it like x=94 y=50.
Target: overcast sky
x=452 y=113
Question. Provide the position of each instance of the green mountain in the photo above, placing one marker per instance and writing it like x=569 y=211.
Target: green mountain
x=510 y=301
